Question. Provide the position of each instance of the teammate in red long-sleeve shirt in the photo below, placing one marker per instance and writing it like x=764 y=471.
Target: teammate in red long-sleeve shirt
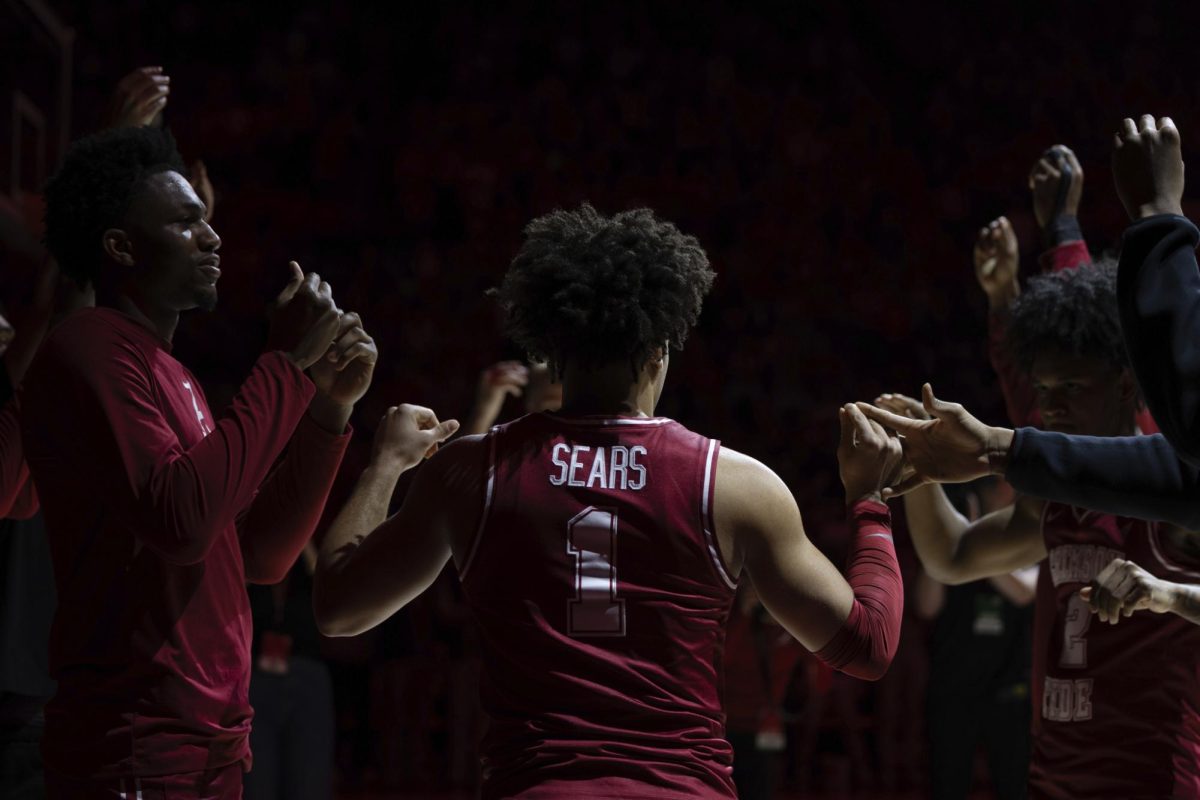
x=158 y=512
x=599 y=547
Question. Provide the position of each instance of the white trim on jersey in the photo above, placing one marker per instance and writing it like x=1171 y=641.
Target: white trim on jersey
x=487 y=504
x=1162 y=557
x=706 y=516
x=604 y=422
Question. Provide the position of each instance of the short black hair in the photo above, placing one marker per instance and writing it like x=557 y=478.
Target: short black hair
x=1074 y=311
x=594 y=290
x=91 y=191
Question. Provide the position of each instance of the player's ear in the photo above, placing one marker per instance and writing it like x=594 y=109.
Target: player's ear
x=117 y=246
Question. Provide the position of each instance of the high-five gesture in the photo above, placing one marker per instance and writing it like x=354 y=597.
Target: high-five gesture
x=996 y=261
x=869 y=459
x=1148 y=167
x=139 y=99
x=1056 y=182
x=304 y=318
x=952 y=447
x=344 y=374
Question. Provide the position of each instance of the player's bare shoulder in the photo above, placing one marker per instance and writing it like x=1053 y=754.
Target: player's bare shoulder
x=750 y=500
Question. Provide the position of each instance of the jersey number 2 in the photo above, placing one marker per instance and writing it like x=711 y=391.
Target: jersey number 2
x=592 y=540
x=1075 y=626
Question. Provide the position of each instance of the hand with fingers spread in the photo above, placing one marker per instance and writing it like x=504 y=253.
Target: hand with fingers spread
x=304 y=318
x=950 y=447
x=344 y=374
x=1123 y=587
x=869 y=459
x=903 y=405
x=407 y=434
x=139 y=99
x=996 y=261
x=1056 y=182
x=1147 y=165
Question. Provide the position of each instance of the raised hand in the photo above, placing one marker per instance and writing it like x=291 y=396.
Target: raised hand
x=1123 y=587
x=1056 y=182
x=139 y=99
x=198 y=173
x=304 y=318
x=868 y=458
x=1147 y=165
x=996 y=261
x=950 y=447
x=344 y=374
x=406 y=434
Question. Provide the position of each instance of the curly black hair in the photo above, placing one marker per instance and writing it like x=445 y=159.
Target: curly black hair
x=1074 y=311
x=92 y=190
x=593 y=290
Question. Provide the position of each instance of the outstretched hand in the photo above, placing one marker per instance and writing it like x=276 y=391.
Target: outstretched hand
x=1147 y=165
x=869 y=459
x=996 y=260
x=950 y=447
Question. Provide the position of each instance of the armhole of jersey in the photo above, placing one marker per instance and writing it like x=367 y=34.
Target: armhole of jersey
x=1161 y=554
x=708 y=491
x=487 y=504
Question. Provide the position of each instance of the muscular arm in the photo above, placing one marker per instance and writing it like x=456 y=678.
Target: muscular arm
x=370 y=566
x=852 y=625
x=1158 y=293
x=955 y=551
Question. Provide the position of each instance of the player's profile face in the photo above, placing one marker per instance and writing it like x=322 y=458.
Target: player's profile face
x=1080 y=394
x=173 y=247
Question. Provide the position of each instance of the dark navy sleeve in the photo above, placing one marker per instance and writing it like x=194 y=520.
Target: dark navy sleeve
x=1131 y=476
x=1158 y=290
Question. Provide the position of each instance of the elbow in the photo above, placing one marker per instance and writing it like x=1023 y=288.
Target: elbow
x=333 y=619
x=871 y=669
x=264 y=574
x=947 y=573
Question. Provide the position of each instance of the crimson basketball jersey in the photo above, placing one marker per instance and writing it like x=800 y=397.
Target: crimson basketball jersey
x=601 y=599
x=1117 y=707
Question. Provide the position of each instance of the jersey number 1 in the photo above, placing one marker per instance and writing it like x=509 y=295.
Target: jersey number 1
x=592 y=540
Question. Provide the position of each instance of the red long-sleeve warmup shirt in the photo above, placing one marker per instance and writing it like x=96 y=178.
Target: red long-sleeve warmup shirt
x=157 y=516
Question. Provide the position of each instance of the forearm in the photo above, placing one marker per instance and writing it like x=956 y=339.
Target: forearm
x=182 y=501
x=364 y=512
x=867 y=641
x=936 y=530
x=1131 y=476
x=287 y=510
x=1186 y=602
x=1158 y=293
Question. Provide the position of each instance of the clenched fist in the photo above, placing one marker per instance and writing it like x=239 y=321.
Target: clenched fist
x=1147 y=166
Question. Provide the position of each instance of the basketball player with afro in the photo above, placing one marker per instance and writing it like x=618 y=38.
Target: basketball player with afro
x=1115 y=706
x=600 y=546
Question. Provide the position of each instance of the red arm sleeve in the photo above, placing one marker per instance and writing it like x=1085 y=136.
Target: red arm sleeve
x=867 y=641
x=1067 y=255
x=177 y=500
x=284 y=515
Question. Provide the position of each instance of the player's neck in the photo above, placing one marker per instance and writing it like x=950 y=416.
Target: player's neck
x=160 y=321
x=607 y=391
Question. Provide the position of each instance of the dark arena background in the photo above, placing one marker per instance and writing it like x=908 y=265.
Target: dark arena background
x=835 y=160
